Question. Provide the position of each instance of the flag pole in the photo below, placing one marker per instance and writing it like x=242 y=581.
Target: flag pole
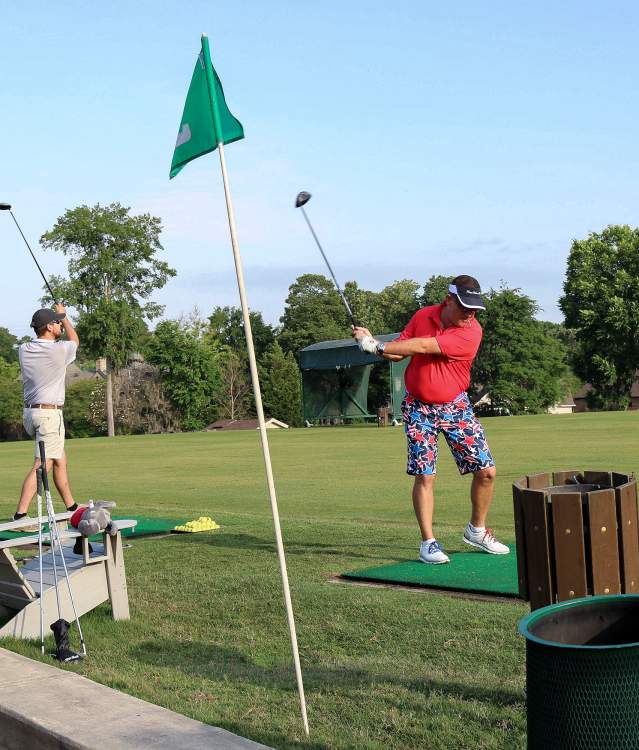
x=256 y=384
x=263 y=435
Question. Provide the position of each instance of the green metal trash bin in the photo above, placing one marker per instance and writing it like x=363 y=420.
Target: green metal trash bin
x=582 y=674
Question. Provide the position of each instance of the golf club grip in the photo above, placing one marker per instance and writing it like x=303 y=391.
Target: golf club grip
x=39 y=481
x=43 y=466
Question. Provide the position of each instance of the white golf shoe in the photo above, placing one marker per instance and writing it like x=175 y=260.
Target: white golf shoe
x=484 y=539
x=31 y=529
x=432 y=553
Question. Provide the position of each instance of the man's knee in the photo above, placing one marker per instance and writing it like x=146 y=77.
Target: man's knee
x=486 y=476
x=425 y=480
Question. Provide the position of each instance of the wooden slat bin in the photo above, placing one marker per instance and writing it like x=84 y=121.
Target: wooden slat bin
x=577 y=534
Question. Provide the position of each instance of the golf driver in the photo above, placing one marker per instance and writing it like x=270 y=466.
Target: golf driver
x=7 y=207
x=302 y=199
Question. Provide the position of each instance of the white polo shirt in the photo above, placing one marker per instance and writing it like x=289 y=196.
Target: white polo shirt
x=44 y=364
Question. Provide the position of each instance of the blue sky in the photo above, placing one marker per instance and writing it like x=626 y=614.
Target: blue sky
x=453 y=138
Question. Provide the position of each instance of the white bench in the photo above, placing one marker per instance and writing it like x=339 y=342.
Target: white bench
x=95 y=577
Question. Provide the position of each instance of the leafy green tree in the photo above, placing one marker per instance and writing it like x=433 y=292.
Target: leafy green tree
x=189 y=371
x=570 y=383
x=397 y=304
x=601 y=302
x=519 y=364
x=313 y=312
x=112 y=272
x=77 y=410
x=226 y=329
x=11 y=400
x=365 y=307
x=566 y=336
x=8 y=346
x=435 y=290
x=234 y=396
x=280 y=379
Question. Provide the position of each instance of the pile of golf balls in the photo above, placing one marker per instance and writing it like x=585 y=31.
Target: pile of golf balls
x=203 y=523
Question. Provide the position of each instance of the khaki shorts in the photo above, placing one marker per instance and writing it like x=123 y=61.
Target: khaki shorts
x=47 y=425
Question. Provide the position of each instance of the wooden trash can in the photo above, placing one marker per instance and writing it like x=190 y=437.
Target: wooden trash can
x=577 y=535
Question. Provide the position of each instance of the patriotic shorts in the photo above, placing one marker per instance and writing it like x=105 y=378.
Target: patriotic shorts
x=462 y=430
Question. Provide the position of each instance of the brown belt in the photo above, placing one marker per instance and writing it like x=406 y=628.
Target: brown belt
x=42 y=406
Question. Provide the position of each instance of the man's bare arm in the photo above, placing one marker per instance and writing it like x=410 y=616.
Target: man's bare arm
x=397 y=350
x=68 y=325
x=408 y=347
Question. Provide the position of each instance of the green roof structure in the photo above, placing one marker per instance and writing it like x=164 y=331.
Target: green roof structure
x=335 y=377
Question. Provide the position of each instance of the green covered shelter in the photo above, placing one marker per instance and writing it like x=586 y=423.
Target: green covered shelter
x=335 y=377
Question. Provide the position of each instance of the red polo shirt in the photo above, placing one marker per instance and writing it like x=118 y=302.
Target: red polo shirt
x=439 y=378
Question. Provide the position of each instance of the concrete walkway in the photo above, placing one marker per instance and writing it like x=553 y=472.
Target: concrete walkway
x=46 y=708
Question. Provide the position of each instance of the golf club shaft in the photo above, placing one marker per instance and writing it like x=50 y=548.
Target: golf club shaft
x=33 y=256
x=54 y=537
x=339 y=291
x=47 y=495
x=39 y=496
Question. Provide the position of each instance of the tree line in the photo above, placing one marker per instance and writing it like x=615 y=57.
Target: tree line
x=194 y=369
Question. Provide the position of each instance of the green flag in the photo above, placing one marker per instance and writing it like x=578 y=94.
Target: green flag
x=206 y=120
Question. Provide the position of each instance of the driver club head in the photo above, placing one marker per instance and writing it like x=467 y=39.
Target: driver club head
x=7 y=206
x=301 y=200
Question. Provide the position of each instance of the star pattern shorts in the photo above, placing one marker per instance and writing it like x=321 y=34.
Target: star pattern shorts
x=462 y=430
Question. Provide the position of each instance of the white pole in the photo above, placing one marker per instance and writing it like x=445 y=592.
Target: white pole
x=265 y=450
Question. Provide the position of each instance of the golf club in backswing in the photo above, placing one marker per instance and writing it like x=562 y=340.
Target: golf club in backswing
x=7 y=207
x=302 y=199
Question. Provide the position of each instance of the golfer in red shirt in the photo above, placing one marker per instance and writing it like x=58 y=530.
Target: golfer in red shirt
x=442 y=342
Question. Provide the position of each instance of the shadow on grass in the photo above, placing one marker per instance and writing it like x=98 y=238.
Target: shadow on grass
x=246 y=541
x=216 y=662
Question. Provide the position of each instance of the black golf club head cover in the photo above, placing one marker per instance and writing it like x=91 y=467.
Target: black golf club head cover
x=77 y=547
x=63 y=652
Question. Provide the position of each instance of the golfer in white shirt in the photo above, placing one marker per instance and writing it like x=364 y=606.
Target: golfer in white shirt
x=43 y=363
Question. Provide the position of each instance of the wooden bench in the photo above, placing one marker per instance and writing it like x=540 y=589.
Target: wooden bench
x=95 y=578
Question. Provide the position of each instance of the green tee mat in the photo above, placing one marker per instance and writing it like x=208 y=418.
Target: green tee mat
x=145 y=527
x=476 y=572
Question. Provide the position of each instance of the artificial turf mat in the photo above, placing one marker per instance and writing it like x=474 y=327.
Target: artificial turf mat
x=146 y=526
x=475 y=572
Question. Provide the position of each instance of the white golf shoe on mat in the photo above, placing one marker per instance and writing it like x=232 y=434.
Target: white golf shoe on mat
x=431 y=552
x=484 y=539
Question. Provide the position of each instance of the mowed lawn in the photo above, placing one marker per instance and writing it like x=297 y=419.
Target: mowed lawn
x=383 y=668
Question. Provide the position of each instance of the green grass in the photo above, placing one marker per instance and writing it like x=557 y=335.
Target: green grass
x=383 y=668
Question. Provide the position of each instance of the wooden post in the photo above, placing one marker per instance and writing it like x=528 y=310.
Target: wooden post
x=537 y=548
x=520 y=537
x=628 y=525
x=570 y=552
x=116 y=577
x=604 y=549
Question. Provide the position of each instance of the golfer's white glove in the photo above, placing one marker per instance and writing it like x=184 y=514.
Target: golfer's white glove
x=368 y=344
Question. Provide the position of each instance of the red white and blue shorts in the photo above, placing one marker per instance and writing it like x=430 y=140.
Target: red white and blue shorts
x=462 y=430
